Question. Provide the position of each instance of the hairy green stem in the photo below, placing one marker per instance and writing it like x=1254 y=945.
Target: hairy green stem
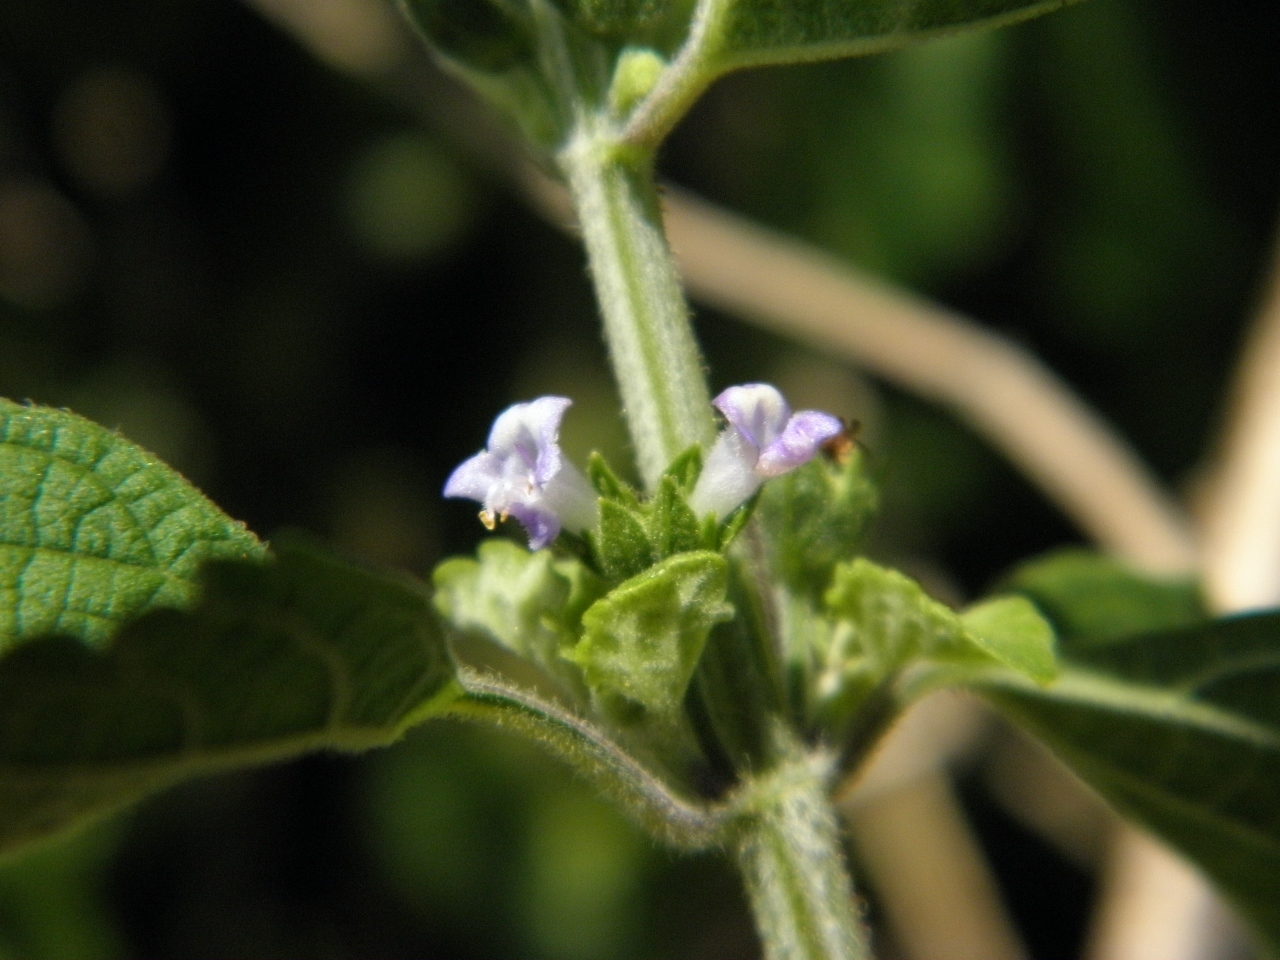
x=783 y=833
x=646 y=320
x=787 y=848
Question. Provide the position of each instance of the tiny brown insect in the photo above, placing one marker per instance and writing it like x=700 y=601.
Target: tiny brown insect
x=839 y=449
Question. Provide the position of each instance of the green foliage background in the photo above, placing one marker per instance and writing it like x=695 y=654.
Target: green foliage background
x=311 y=305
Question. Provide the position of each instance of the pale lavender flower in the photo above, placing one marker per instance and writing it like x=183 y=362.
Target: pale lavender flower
x=521 y=473
x=763 y=439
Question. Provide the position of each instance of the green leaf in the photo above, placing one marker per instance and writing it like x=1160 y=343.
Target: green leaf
x=673 y=527
x=1092 y=598
x=94 y=530
x=642 y=641
x=726 y=35
x=622 y=19
x=486 y=35
x=886 y=623
x=1180 y=729
x=530 y=603
x=1013 y=632
x=622 y=544
x=891 y=619
x=814 y=518
x=493 y=46
x=741 y=33
x=300 y=653
x=634 y=534
x=685 y=469
x=606 y=482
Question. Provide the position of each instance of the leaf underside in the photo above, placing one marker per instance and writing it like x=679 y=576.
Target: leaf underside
x=300 y=653
x=758 y=32
x=1093 y=599
x=1180 y=729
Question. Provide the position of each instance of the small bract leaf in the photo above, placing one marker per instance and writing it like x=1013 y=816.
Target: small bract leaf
x=685 y=469
x=94 y=530
x=892 y=619
x=673 y=528
x=642 y=641
x=814 y=518
x=1013 y=632
x=278 y=658
x=719 y=535
x=622 y=543
x=606 y=482
x=528 y=602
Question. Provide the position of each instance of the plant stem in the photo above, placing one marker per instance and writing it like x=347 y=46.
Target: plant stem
x=788 y=850
x=646 y=320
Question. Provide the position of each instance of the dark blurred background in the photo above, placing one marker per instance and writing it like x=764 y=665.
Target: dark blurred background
x=312 y=303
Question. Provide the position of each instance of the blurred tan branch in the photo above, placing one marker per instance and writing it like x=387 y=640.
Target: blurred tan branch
x=353 y=36
x=941 y=900
x=914 y=841
x=1241 y=509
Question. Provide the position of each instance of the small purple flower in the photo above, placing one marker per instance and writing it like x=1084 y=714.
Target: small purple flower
x=764 y=439
x=521 y=473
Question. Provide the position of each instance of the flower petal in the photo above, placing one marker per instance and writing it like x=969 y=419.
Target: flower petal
x=728 y=477
x=545 y=415
x=572 y=498
x=799 y=442
x=474 y=477
x=539 y=522
x=511 y=476
x=757 y=410
x=530 y=431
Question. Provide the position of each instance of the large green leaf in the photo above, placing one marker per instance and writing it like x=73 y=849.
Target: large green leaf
x=634 y=21
x=1093 y=599
x=298 y=653
x=94 y=530
x=1180 y=729
x=741 y=33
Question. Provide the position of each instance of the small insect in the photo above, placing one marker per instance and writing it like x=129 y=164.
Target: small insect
x=839 y=449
